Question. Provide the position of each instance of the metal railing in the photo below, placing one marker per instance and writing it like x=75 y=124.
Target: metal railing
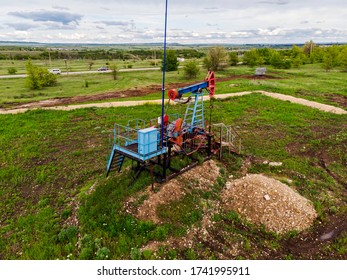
x=124 y=136
x=127 y=140
x=228 y=137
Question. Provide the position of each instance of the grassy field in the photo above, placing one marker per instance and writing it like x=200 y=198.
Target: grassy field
x=74 y=65
x=57 y=204
x=310 y=82
x=15 y=90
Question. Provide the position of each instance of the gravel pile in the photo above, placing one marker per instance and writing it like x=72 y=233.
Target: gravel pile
x=263 y=200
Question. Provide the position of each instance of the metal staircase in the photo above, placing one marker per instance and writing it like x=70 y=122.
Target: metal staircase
x=115 y=161
x=194 y=116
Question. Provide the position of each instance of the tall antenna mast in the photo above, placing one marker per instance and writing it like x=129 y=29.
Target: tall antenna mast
x=163 y=79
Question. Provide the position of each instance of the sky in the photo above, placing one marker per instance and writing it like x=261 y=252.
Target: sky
x=189 y=21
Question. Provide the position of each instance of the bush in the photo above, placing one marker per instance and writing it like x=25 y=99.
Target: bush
x=39 y=77
x=191 y=69
x=233 y=58
x=114 y=70
x=343 y=59
x=216 y=58
x=171 y=61
x=280 y=62
x=252 y=58
x=12 y=70
x=327 y=62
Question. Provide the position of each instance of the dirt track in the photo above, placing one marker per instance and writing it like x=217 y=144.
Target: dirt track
x=53 y=103
x=87 y=101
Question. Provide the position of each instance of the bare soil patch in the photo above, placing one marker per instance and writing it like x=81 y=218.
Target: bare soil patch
x=202 y=176
x=338 y=99
x=119 y=94
x=263 y=200
x=168 y=192
x=309 y=244
x=88 y=98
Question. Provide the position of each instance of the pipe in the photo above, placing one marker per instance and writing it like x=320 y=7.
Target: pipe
x=163 y=80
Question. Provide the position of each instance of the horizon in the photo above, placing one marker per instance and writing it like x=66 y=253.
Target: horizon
x=173 y=44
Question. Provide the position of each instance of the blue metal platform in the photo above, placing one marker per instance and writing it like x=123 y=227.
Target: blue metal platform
x=139 y=144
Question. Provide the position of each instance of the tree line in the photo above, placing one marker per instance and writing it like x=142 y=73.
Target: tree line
x=97 y=54
x=215 y=58
x=330 y=57
x=218 y=58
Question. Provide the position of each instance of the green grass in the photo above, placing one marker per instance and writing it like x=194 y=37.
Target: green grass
x=309 y=81
x=15 y=90
x=73 y=65
x=50 y=159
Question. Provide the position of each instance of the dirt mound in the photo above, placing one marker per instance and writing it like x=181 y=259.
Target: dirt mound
x=263 y=200
x=170 y=191
x=201 y=176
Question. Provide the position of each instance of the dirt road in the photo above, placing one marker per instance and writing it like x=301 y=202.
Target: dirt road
x=51 y=104
x=84 y=72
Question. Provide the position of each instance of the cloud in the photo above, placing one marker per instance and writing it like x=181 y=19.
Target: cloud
x=49 y=16
x=60 y=8
x=16 y=35
x=278 y=2
x=114 y=23
x=195 y=21
x=125 y=26
x=58 y=25
x=21 y=26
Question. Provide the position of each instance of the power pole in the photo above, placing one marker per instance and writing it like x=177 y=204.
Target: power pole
x=49 y=57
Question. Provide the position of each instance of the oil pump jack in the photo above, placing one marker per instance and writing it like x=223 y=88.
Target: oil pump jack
x=152 y=145
x=157 y=143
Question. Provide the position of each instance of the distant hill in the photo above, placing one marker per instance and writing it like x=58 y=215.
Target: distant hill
x=153 y=45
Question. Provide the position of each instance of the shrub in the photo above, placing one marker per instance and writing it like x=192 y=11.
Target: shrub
x=114 y=70
x=39 y=77
x=252 y=58
x=343 y=59
x=216 y=58
x=278 y=61
x=191 y=69
x=171 y=61
x=233 y=58
x=327 y=62
x=12 y=70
